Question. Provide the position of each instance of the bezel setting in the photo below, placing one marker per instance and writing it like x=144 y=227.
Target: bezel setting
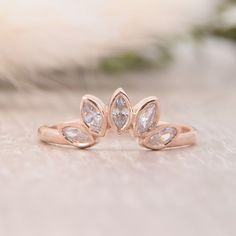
x=83 y=130
x=120 y=112
x=95 y=109
x=141 y=129
x=161 y=141
x=142 y=121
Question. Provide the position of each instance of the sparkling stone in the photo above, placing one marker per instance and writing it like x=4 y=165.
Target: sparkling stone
x=163 y=137
x=147 y=118
x=75 y=135
x=120 y=112
x=92 y=117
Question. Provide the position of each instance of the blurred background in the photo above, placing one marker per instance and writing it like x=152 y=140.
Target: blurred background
x=47 y=43
x=53 y=52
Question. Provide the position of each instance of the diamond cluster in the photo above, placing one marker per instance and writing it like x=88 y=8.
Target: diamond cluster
x=120 y=116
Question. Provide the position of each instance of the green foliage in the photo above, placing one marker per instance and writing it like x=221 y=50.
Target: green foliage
x=132 y=60
x=123 y=62
x=161 y=54
x=217 y=27
x=227 y=33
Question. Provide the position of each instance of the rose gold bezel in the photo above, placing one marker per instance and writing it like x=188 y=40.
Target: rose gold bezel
x=138 y=110
x=82 y=127
x=185 y=136
x=144 y=142
x=119 y=92
x=97 y=103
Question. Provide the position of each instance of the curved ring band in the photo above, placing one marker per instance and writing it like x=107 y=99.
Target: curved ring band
x=142 y=121
x=51 y=134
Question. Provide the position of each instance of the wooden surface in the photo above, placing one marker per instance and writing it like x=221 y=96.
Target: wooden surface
x=118 y=188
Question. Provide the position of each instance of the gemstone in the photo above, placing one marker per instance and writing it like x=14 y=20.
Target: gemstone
x=76 y=135
x=92 y=116
x=162 y=137
x=120 y=112
x=147 y=118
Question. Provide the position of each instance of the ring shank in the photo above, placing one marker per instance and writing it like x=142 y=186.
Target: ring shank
x=186 y=137
x=50 y=134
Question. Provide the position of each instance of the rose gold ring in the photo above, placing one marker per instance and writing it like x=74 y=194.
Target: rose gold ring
x=142 y=121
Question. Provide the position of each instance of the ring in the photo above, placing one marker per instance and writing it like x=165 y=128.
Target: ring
x=142 y=121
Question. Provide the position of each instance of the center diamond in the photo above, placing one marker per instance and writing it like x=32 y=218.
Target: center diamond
x=120 y=112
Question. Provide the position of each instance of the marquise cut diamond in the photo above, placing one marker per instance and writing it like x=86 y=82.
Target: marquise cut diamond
x=75 y=135
x=120 y=112
x=147 y=118
x=92 y=117
x=163 y=137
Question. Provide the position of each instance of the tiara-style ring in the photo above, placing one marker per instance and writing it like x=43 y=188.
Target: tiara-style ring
x=142 y=121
